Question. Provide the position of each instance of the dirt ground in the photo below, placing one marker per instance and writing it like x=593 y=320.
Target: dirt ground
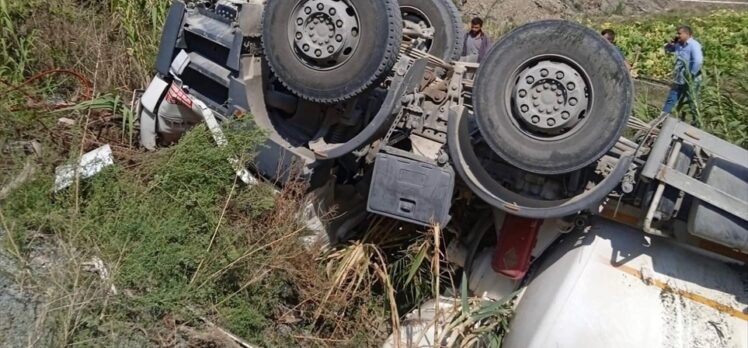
x=501 y=14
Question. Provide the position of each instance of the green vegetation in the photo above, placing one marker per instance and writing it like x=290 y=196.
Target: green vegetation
x=182 y=240
x=723 y=108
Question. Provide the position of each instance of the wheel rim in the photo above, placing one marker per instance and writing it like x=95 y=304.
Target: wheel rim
x=324 y=34
x=550 y=98
x=418 y=28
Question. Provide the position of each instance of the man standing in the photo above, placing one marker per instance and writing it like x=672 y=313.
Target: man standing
x=476 y=43
x=689 y=59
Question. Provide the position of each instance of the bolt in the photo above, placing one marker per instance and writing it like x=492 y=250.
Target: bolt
x=339 y=23
x=332 y=11
x=339 y=38
x=316 y=21
x=548 y=111
x=559 y=75
x=565 y=115
x=530 y=79
x=536 y=103
x=522 y=93
x=539 y=89
x=525 y=108
x=559 y=93
x=553 y=87
x=305 y=47
x=560 y=100
x=307 y=10
x=546 y=86
x=572 y=101
x=544 y=73
x=570 y=86
x=556 y=108
x=535 y=119
x=320 y=6
x=551 y=122
x=534 y=96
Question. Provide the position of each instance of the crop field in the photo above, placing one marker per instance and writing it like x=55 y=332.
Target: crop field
x=723 y=107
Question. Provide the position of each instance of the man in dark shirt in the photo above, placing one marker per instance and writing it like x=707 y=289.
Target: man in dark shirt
x=610 y=35
x=476 y=43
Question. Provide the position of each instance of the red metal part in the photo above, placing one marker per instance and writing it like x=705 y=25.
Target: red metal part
x=514 y=246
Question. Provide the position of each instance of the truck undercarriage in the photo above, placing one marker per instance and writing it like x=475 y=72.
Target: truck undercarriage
x=369 y=102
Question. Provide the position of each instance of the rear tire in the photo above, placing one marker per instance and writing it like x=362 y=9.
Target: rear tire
x=444 y=17
x=552 y=97
x=296 y=45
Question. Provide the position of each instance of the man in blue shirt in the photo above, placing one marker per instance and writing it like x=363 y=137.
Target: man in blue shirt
x=689 y=60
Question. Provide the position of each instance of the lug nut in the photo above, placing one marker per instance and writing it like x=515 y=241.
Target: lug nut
x=544 y=73
x=530 y=80
x=339 y=23
x=320 y=6
x=556 y=108
x=305 y=47
x=318 y=52
x=525 y=108
x=553 y=87
x=546 y=86
x=565 y=115
x=560 y=101
x=522 y=93
x=549 y=111
x=572 y=101
x=299 y=21
x=339 y=38
x=332 y=11
x=330 y=49
x=536 y=103
x=535 y=119
x=559 y=93
x=539 y=89
x=551 y=122
x=559 y=75
x=307 y=10
x=570 y=86
x=298 y=36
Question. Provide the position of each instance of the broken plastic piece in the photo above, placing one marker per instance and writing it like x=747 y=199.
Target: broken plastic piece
x=90 y=164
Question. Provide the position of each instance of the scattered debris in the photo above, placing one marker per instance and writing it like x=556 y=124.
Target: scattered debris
x=91 y=164
x=96 y=265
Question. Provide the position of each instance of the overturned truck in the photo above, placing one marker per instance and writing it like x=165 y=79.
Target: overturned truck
x=372 y=105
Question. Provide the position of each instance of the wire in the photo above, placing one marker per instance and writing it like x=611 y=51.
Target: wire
x=86 y=94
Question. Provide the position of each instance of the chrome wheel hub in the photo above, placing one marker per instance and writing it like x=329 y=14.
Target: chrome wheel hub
x=550 y=97
x=324 y=33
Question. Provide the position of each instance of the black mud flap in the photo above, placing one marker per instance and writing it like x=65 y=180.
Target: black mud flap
x=410 y=190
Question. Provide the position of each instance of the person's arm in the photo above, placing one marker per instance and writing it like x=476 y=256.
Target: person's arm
x=697 y=60
x=670 y=48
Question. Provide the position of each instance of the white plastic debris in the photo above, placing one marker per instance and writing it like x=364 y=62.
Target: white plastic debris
x=90 y=164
